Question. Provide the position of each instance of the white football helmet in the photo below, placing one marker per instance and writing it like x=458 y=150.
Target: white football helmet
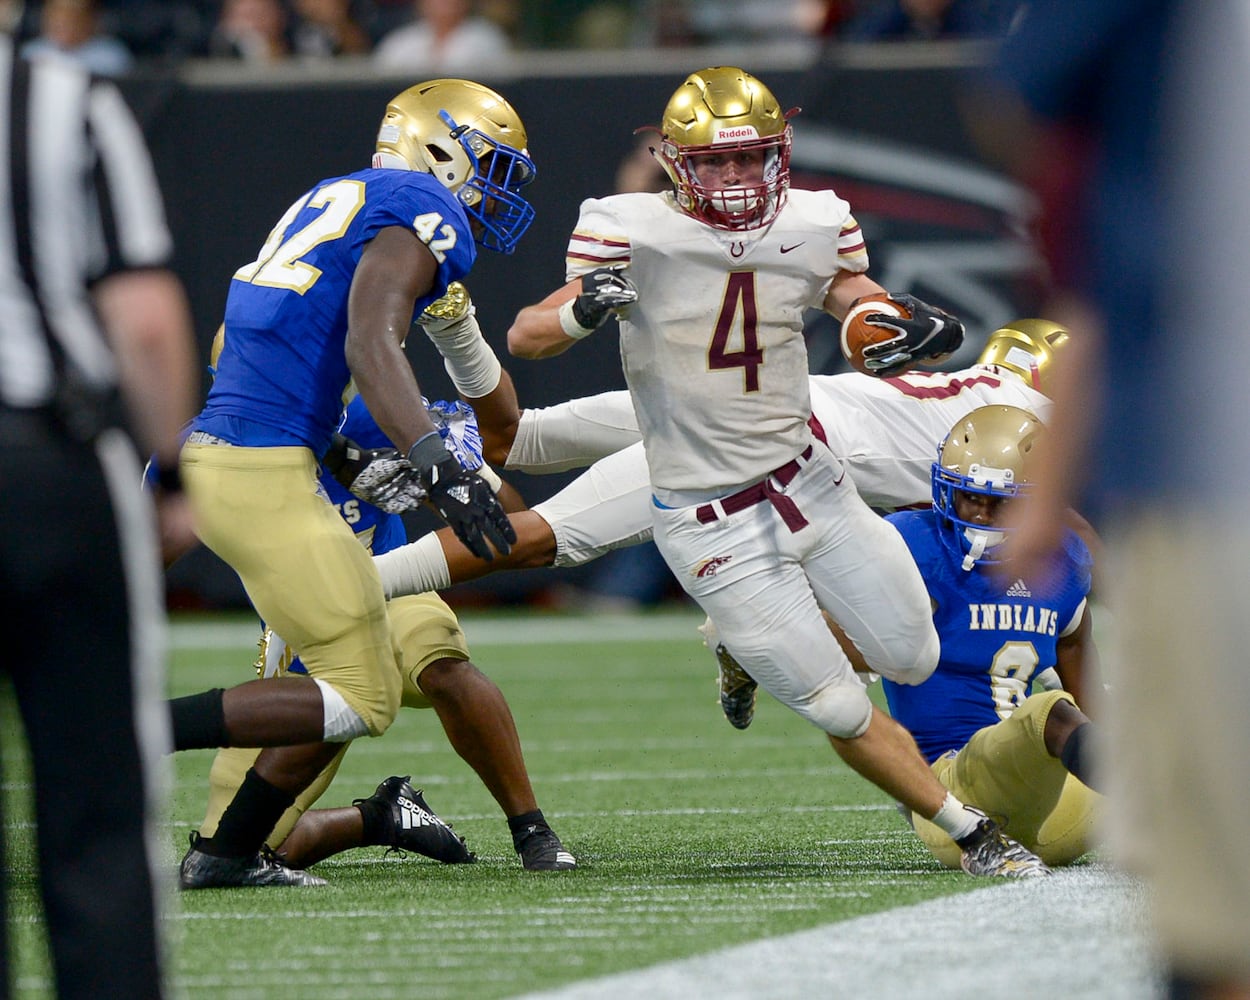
x=473 y=142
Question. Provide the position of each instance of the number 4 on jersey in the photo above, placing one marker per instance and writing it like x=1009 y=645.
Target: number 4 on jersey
x=739 y=299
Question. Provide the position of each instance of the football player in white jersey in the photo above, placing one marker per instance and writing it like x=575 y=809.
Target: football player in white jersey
x=884 y=431
x=755 y=516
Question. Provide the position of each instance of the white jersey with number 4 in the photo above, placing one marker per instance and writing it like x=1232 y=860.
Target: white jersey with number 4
x=713 y=350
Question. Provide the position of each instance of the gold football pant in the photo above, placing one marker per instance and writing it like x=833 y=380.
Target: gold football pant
x=426 y=630
x=1006 y=772
x=263 y=512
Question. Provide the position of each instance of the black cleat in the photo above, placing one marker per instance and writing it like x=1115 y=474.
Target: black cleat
x=541 y=851
x=206 y=871
x=414 y=826
x=737 y=689
x=989 y=851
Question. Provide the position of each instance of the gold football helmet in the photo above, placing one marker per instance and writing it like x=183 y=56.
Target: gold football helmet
x=990 y=452
x=473 y=142
x=1027 y=348
x=721 y=109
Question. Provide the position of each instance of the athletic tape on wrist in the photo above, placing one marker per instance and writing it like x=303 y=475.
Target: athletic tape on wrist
x=569 y=324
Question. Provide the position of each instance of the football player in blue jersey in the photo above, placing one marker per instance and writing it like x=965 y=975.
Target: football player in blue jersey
x=436 y=673
x=327 y=304
x=1020 y=757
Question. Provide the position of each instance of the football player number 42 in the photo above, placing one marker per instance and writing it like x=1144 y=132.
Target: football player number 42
x=280 y=263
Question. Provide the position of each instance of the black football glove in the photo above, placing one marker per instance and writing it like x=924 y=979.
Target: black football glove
x=603 y=290
x=469 y=506
x=930 y=333
x=380 y=476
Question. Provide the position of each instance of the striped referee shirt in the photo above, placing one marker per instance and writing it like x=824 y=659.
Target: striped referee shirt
x=78 y=201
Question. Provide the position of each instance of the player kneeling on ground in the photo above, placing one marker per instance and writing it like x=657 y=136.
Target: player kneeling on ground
x=1020 y=758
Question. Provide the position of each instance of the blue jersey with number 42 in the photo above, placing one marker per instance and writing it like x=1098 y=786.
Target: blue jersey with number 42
x=995 y=635
x=282 y=371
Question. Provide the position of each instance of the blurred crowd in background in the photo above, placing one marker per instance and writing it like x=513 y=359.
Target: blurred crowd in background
x=115 y=37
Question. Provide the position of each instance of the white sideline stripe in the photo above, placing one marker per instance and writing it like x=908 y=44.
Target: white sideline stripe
x=1078 y=934
x=528 y=631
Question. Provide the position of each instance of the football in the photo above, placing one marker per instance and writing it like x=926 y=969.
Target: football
x=858 y=334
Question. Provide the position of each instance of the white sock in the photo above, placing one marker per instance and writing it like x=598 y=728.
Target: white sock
x=956 y=819
x=415 y=568
x=469 y=360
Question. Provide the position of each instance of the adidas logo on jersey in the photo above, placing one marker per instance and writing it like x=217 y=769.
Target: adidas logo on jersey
x=1018 y=589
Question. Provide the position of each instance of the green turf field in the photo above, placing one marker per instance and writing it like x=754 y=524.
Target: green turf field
x=690 y=835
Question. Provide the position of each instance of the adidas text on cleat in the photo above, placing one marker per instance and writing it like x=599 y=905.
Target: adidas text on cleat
x=414 y=825
x=205 y=871
x=989 y=851
x=737 y=689
x=541 y=851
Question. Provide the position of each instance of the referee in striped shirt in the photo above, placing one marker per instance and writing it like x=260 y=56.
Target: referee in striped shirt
x=96 y=356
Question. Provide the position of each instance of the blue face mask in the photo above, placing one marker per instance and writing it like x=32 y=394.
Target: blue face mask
x=974 y=544
x=491 y=197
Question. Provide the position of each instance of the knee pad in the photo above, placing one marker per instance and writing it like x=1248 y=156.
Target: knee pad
x=342 y=722
x=842 y=709
x=914 y=662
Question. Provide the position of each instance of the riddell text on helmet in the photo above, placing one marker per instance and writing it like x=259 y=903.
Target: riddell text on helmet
x=737 y=132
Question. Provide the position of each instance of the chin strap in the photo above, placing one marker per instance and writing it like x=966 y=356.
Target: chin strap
x=386 y=160
x=979 y=542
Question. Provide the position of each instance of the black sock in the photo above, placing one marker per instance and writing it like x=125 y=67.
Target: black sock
x=1075 y=755
x=520 y=825
x=249 y=819
x=199 y=720
x=379 y=828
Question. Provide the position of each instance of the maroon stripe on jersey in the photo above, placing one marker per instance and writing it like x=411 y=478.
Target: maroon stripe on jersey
x=601 y=240
x=952 y=388
x=595 y=258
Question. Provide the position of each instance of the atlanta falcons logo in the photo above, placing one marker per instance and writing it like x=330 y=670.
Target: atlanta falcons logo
x=709 y=566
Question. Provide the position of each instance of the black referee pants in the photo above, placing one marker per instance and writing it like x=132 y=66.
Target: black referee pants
x=80 y=596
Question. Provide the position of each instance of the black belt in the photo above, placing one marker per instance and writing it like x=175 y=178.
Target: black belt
x=761 y=491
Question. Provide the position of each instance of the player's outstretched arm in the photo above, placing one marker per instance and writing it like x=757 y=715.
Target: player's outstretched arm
x=536 y=332
x=571 y=313
x=438 y=559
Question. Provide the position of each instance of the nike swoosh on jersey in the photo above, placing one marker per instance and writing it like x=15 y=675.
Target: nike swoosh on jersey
x=786 y=249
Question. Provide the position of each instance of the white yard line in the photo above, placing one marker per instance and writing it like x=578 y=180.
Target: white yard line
x=1079 y=935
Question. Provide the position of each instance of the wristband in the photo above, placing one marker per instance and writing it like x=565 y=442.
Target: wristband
x=427 y=451
x=569 y=324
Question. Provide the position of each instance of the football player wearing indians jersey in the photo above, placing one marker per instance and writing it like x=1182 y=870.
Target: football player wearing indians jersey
x=755 y=516
x=327 y=302
x=1021 y=758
